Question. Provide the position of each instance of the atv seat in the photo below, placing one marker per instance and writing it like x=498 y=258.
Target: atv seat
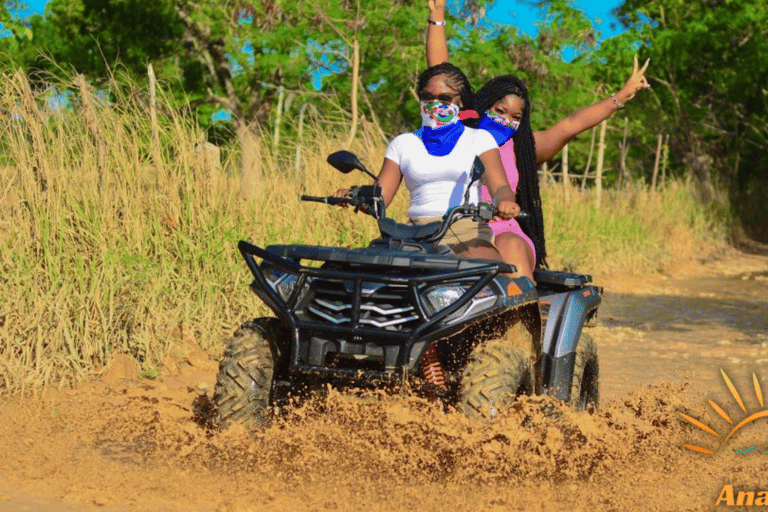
x=391 y=229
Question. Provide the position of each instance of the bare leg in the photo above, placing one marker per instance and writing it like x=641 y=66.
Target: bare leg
x=516 y=251
x=477 y=249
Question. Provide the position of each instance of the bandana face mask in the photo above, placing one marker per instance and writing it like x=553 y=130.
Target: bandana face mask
x=514 y=123
x=500 y=127
x=435 y=114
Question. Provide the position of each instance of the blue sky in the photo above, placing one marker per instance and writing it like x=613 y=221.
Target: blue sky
x=35 y=5
x=525 y=16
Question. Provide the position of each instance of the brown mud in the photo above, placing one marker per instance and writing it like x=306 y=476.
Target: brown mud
x=122 y=444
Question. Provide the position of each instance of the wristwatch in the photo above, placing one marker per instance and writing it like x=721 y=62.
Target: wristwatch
x=436 y=23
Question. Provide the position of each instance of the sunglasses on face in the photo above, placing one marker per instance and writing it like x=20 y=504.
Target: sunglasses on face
x=443 y=98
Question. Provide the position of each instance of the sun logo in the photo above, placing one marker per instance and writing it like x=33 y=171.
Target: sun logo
x=748 y=419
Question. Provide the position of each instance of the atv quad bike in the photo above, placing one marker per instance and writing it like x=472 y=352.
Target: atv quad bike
x=406 y=311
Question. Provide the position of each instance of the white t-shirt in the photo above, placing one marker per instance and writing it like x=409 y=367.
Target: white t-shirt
x=437 y=183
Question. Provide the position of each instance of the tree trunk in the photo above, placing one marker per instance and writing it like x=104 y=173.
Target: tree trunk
x=656 y=163
x=589 y=158
x=623 y=149
x=545 y=172
x=299 y=139
x=278 y=117
x=355 y=74
x=600 y=156
x=664 y=160
x=566 y=177
x=250 y=156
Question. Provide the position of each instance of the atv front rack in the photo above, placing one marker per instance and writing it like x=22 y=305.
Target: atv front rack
x=368 y=304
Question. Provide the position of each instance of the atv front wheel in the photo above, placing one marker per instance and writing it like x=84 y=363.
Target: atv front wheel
x=245 y=382
x=585 y=389
x=498 y=371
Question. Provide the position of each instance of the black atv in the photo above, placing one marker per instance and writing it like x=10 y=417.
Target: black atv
x=406 y=312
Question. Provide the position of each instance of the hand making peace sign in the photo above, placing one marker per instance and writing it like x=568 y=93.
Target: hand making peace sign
x=636 y=81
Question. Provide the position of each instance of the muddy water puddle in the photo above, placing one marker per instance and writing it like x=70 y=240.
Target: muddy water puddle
x=685 y=329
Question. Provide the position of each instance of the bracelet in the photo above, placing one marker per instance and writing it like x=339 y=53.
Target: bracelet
x=436 y=23
x=616 y=102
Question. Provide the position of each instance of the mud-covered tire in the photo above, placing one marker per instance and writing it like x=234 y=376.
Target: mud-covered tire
x=244 y=384
x=585 y=383
x=497 y=372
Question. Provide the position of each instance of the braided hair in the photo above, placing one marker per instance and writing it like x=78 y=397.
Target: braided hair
x=528 y=196
x=456 y=76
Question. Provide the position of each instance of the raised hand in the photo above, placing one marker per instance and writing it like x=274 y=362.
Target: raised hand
x=636 y=81
x=436 y=7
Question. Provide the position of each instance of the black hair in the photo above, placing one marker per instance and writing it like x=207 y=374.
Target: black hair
x=528 y=195
x=455 y=75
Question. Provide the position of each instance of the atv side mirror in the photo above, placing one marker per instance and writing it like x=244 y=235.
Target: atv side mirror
x=478 y=169
x=346 y=162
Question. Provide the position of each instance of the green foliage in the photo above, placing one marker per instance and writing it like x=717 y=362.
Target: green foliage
x=89 y=36
x=709 y=75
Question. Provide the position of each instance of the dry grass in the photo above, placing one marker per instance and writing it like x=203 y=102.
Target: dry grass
x=634 y=231
x=129 y=255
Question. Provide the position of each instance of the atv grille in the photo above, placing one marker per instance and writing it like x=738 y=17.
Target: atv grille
x=382 y=305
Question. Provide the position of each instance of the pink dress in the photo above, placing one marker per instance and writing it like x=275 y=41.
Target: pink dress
x=507 y=151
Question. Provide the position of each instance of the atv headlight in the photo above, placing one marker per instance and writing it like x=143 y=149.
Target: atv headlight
x=281 y=281
x=440 y=297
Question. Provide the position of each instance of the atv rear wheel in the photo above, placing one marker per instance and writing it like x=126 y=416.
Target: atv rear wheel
x=244 y=389
x=585 y=389
x=498 y=371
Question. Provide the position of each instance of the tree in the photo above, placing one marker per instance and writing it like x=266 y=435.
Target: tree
x=709 y=70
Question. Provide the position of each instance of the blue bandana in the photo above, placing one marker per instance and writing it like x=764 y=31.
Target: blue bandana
x=440 y=141
x=499 y=127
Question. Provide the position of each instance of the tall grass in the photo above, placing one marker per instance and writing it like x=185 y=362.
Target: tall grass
x=133 y=255
x=635 y=230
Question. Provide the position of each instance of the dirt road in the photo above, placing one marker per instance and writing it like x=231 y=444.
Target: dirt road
x=117 y=445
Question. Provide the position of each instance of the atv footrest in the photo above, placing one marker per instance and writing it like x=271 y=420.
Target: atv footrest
x=554 y=277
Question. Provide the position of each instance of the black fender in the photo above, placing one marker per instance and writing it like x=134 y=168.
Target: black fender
x=565 y=313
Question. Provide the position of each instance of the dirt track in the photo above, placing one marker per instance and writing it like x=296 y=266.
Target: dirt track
x=126 y=445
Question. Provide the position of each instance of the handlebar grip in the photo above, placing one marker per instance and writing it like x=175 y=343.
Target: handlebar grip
x=326 y=200
x=523 y=216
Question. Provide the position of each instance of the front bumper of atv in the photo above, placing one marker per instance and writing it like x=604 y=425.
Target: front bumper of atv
x=372 y=312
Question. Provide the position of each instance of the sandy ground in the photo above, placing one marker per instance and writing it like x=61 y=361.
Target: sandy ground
x=121 y=444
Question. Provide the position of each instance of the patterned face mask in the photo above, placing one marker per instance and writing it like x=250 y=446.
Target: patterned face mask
x=493 y=116
x=501 y=128
x=435 y=114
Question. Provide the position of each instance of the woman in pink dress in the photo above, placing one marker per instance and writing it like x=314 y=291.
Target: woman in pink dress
x=504 y=108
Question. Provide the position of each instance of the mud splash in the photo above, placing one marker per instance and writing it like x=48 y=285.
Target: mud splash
x=125 y=445
x=137 y=445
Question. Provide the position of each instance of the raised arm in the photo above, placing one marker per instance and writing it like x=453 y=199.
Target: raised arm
x=437 y=48
x=549 y=142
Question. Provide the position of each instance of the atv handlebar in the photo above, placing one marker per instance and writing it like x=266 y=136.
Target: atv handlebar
x=481 y=211
x=327 y=200
x=366 y=198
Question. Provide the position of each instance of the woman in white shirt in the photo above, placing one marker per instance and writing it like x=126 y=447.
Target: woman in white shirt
x=436 y=161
